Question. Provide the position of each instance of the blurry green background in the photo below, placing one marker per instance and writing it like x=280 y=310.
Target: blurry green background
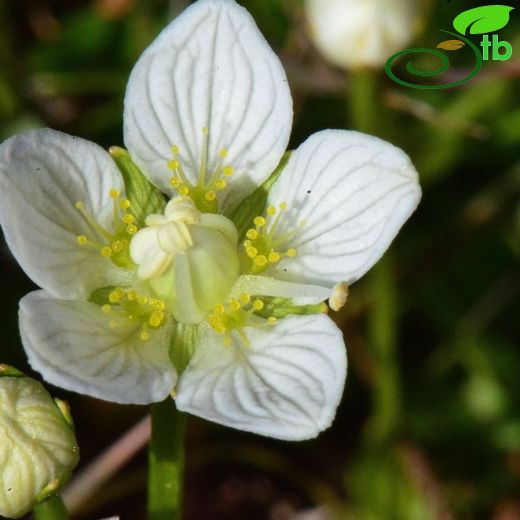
x=429 y=426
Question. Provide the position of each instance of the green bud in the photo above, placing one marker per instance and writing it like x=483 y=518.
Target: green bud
x=38 y=449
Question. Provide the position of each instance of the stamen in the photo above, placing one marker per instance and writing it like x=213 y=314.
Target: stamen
x=262 y=245
x=115 y=243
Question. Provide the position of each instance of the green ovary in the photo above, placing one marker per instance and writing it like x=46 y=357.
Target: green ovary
x=200 y=277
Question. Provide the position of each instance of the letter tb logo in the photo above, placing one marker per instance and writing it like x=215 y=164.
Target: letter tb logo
x=500 y=51
x=485 y=21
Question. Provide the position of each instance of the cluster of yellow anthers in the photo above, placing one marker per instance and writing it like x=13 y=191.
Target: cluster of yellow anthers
x=261 y=246
x=234 y=315
x=205 y=189
x=131 y=306
x=115 y=241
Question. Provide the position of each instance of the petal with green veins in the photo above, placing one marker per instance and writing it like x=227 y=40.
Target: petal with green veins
x=211 y=87
x=43 y=174
x=286 y=384
x=73 y=346
x=349 y=194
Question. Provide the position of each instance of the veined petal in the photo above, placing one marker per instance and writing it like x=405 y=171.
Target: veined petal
x=287 y=384
x=210 y=69
x=71 y=344
x=43 y=173
x=347 y=194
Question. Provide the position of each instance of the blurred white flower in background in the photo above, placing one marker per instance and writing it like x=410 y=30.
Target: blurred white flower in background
x=360 y=33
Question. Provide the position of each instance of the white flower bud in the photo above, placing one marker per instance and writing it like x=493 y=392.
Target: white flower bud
x=38 y=448
x=357 y=33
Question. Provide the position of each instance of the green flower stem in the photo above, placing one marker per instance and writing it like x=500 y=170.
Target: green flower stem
x=363 y=105
x=383 y=342
x=367 y=115
x=52 y=509
x=166 y=462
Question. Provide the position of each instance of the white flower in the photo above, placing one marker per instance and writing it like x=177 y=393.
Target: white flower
x=357 y=33
x=207 y=119
x=38 y=449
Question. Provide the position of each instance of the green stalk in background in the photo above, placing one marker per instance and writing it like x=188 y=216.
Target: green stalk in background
x=365 y=111
x=166 y=462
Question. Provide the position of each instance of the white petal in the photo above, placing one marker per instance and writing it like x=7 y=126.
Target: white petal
x=210 y=68
x=353 y=193
x=71 y=344
x=286 y=385
x=43 y=173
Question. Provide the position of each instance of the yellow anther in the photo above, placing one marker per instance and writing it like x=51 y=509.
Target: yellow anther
x=156 y=319
x=115 y=296
x=183 y=190
x=220 y=309
x=173 y=164
x=228 y=171
x=291 y=252
x=175 y=182
x=213 y=320
x=131 y=229
x=223 y=153
x=131 y=295
x=82 y=240
x=159 y=305
x=248 y=243
x=219 y=328
x=112 y=324
x=175 y=149
x=124 y=203
x=251 y=251
x=142 y=300
x=252 y=234
x=106 y=252
x=145 y=335
x=258 y=305
x=205 y=130
x=274 y=257
x=271 y=320
x=259 y=221
x=245 y=298
x=118 y=246
x=128 y=219
x=220 y=184
x=210 y=195
x=271 y=211
x=113 y=193
x=283 y=206
x=234 y=305
x=79 y=205
x=106 y=308
x=260 y=260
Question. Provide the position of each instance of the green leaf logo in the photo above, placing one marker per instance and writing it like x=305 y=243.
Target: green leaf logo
x=482 y=20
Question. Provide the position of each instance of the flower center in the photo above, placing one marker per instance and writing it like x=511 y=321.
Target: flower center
x=111 y=244
x=263 y=246
x=204 y=193
x=187 y=259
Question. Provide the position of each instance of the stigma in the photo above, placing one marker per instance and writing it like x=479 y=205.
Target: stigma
x=154 y=247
